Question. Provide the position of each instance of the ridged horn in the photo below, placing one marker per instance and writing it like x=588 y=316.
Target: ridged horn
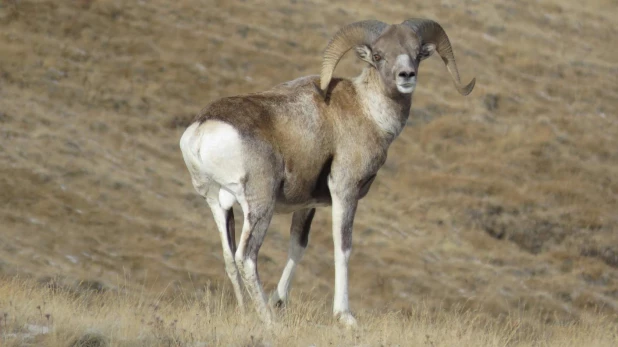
x=431 y=32
x=354 y=34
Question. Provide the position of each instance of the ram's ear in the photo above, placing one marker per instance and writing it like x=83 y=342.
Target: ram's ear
x=363 y=52
x=426 y=51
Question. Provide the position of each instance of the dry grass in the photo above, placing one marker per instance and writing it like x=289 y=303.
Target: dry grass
x=44 y=315
x=503 y=201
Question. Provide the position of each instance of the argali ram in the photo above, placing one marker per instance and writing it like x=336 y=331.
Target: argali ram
x=313 y=141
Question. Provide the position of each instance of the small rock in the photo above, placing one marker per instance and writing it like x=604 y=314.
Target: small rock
x=492 y=39
x=200 y=67
x=243 y=31
x=99 y=127
x=491 y=102
x=4 y=117
x=35 y=221
x=73 y=146
x=76 y=54
x=73 y=259
x=495 y=30
x=37 y=329
x=55 y=74
x=91 y=285
x=90 y=339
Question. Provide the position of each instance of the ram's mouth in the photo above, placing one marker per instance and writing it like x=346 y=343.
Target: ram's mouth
x=406 y=88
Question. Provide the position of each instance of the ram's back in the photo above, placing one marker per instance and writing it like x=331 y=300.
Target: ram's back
x=296 y=125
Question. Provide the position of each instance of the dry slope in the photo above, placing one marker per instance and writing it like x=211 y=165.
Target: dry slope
x=506 y=198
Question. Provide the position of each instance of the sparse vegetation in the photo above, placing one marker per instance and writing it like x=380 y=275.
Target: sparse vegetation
x=500 y=206
x=207 y=318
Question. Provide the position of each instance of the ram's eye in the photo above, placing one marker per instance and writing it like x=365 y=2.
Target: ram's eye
x=377 y=57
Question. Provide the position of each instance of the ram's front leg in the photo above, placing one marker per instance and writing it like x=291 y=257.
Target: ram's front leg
x=344 y=203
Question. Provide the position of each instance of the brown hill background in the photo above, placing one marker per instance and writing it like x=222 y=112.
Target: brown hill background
x=507 y=198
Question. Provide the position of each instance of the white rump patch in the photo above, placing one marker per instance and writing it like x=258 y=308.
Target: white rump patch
x=213 y=151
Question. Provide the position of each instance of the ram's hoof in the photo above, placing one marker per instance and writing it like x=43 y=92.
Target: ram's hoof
x=276 y=302
x=346 y=319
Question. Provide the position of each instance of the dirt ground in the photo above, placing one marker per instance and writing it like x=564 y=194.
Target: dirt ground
x=506 y=199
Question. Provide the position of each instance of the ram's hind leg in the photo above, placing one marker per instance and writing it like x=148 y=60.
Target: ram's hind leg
x=258 y=214
x=221 y=202
x=299 y=238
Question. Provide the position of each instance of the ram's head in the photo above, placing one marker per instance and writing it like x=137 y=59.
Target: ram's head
x=395 y=51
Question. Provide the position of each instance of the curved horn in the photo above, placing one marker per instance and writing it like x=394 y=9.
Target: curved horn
x=363 y=32
x=431 y=32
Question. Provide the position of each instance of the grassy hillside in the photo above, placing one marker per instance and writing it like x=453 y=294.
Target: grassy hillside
x=499 y=202
x=50 y=316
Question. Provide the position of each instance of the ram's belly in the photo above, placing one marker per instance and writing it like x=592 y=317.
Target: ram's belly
x=305 y=185
x=283 y=207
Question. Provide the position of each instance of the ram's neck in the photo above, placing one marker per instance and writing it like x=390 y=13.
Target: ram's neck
x=388 y=112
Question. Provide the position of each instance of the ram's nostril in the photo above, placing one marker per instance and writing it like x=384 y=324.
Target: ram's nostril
x=406 y=74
